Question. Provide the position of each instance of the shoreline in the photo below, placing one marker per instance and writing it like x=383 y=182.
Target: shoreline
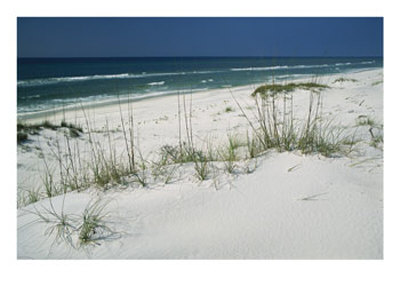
x=53 y=114
x=110 y=103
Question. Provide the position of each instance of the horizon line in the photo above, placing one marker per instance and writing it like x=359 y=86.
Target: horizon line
x=201 y=56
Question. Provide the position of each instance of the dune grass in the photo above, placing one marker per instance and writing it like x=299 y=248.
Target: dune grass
x=25 y=129
x=28 y=196
x=76 y=230
x=268 y=90
x=379 y=82
x=201 y=167
x=274 y=126
x=31 y=128
x=228 y=109
x=92 y=224
x=60 y=226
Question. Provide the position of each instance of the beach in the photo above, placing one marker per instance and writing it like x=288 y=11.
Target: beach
x=278 y=204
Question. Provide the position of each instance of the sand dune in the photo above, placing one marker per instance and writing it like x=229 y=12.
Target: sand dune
x=291 y=206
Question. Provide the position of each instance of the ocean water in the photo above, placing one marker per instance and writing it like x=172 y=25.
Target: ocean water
x=49 y=83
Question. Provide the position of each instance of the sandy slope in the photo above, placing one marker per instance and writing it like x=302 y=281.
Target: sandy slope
x=291 y=206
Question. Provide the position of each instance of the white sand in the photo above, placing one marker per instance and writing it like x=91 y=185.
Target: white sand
x=292 y=206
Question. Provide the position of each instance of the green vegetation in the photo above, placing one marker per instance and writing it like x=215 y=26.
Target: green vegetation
x=37 y=126
x=24 y=130
x=202 y=168
x=274 y=89
x=343 y=79
x=27 y=197
x=180 y=154
x=377 y=83
x=59 y=224
x=77 y=231
x=276 y=128
x=230 y=155
x=228 y=109
x=93 y=226
x=376 y=141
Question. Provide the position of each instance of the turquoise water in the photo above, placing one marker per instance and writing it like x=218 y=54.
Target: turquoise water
x=48 y=83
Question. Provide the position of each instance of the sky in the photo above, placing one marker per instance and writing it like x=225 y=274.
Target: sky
x=166 y=37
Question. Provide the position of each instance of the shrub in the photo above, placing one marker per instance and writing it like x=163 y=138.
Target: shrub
x=268 y=90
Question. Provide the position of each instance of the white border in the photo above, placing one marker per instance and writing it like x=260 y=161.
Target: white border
x=199 y=280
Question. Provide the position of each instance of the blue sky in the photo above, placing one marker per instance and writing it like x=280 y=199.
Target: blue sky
x=129 y=37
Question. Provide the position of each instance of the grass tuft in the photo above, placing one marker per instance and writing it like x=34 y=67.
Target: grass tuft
x=275 y=89
x=92 y=226
x=74 y=230
x=201 y=168
x=275 y=126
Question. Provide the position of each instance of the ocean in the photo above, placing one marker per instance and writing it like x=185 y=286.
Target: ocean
x=50 y=83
